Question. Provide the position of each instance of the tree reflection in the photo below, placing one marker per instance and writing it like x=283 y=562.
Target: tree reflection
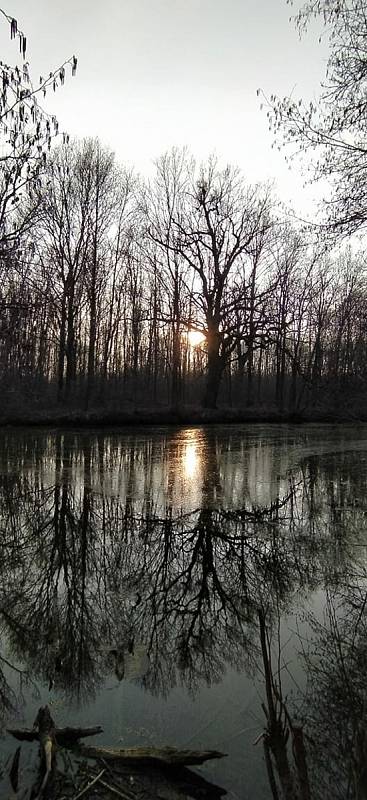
x=336 y=698
x=89 y=579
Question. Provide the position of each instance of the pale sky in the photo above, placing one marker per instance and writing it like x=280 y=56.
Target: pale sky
x=153 y=74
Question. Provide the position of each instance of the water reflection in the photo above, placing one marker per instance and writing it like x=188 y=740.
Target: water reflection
x=110 y=565
x=191 y=460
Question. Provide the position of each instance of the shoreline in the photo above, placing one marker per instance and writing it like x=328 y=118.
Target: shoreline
x=175 y=417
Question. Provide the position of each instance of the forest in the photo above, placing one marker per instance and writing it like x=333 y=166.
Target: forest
x=192 y=289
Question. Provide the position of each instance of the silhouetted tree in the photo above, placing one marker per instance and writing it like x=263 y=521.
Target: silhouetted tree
x=335 y=126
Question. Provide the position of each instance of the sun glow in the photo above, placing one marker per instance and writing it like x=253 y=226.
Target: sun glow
x=195 y=338
x=191 y=460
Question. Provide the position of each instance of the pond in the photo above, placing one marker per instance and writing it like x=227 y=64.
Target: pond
x=198 y=587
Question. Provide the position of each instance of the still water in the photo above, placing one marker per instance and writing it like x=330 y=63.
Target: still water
x=198 y=587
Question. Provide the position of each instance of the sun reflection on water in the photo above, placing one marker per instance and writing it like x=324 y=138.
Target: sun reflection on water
x=191 y=458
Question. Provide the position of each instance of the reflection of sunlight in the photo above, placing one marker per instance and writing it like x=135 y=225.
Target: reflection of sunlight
x=191 y=454
x=190 y=459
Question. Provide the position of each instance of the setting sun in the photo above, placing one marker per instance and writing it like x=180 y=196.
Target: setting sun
x=195 y=338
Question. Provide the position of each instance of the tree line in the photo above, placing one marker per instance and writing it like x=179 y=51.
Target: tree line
x=186 y=288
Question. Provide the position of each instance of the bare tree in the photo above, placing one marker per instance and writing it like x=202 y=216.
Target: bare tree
x=162 y=207
x=212 y=229
x=335 y=126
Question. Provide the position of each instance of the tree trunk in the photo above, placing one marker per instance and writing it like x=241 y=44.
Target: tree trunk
x=176 y=343
x=250 y=375
x=70 y=345
x=216 y=365
x=93 y=298
x=176 y=367
x=293 y=388
x=259 y=374
x=61 y=355
x=92 y=341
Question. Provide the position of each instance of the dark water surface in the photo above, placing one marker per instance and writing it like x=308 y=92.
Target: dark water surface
x=196 y=587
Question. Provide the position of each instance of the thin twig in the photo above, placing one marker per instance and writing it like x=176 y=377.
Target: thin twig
x=86 y=788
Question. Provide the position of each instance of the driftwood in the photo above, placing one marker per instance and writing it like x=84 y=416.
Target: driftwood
x=63 y=736
x=165 y=756
x=155 y=770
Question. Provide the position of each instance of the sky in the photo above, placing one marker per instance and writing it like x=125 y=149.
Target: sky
x=153 y=74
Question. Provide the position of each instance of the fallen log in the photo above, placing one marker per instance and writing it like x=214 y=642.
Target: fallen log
x=168 y=756
x=64 y=736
